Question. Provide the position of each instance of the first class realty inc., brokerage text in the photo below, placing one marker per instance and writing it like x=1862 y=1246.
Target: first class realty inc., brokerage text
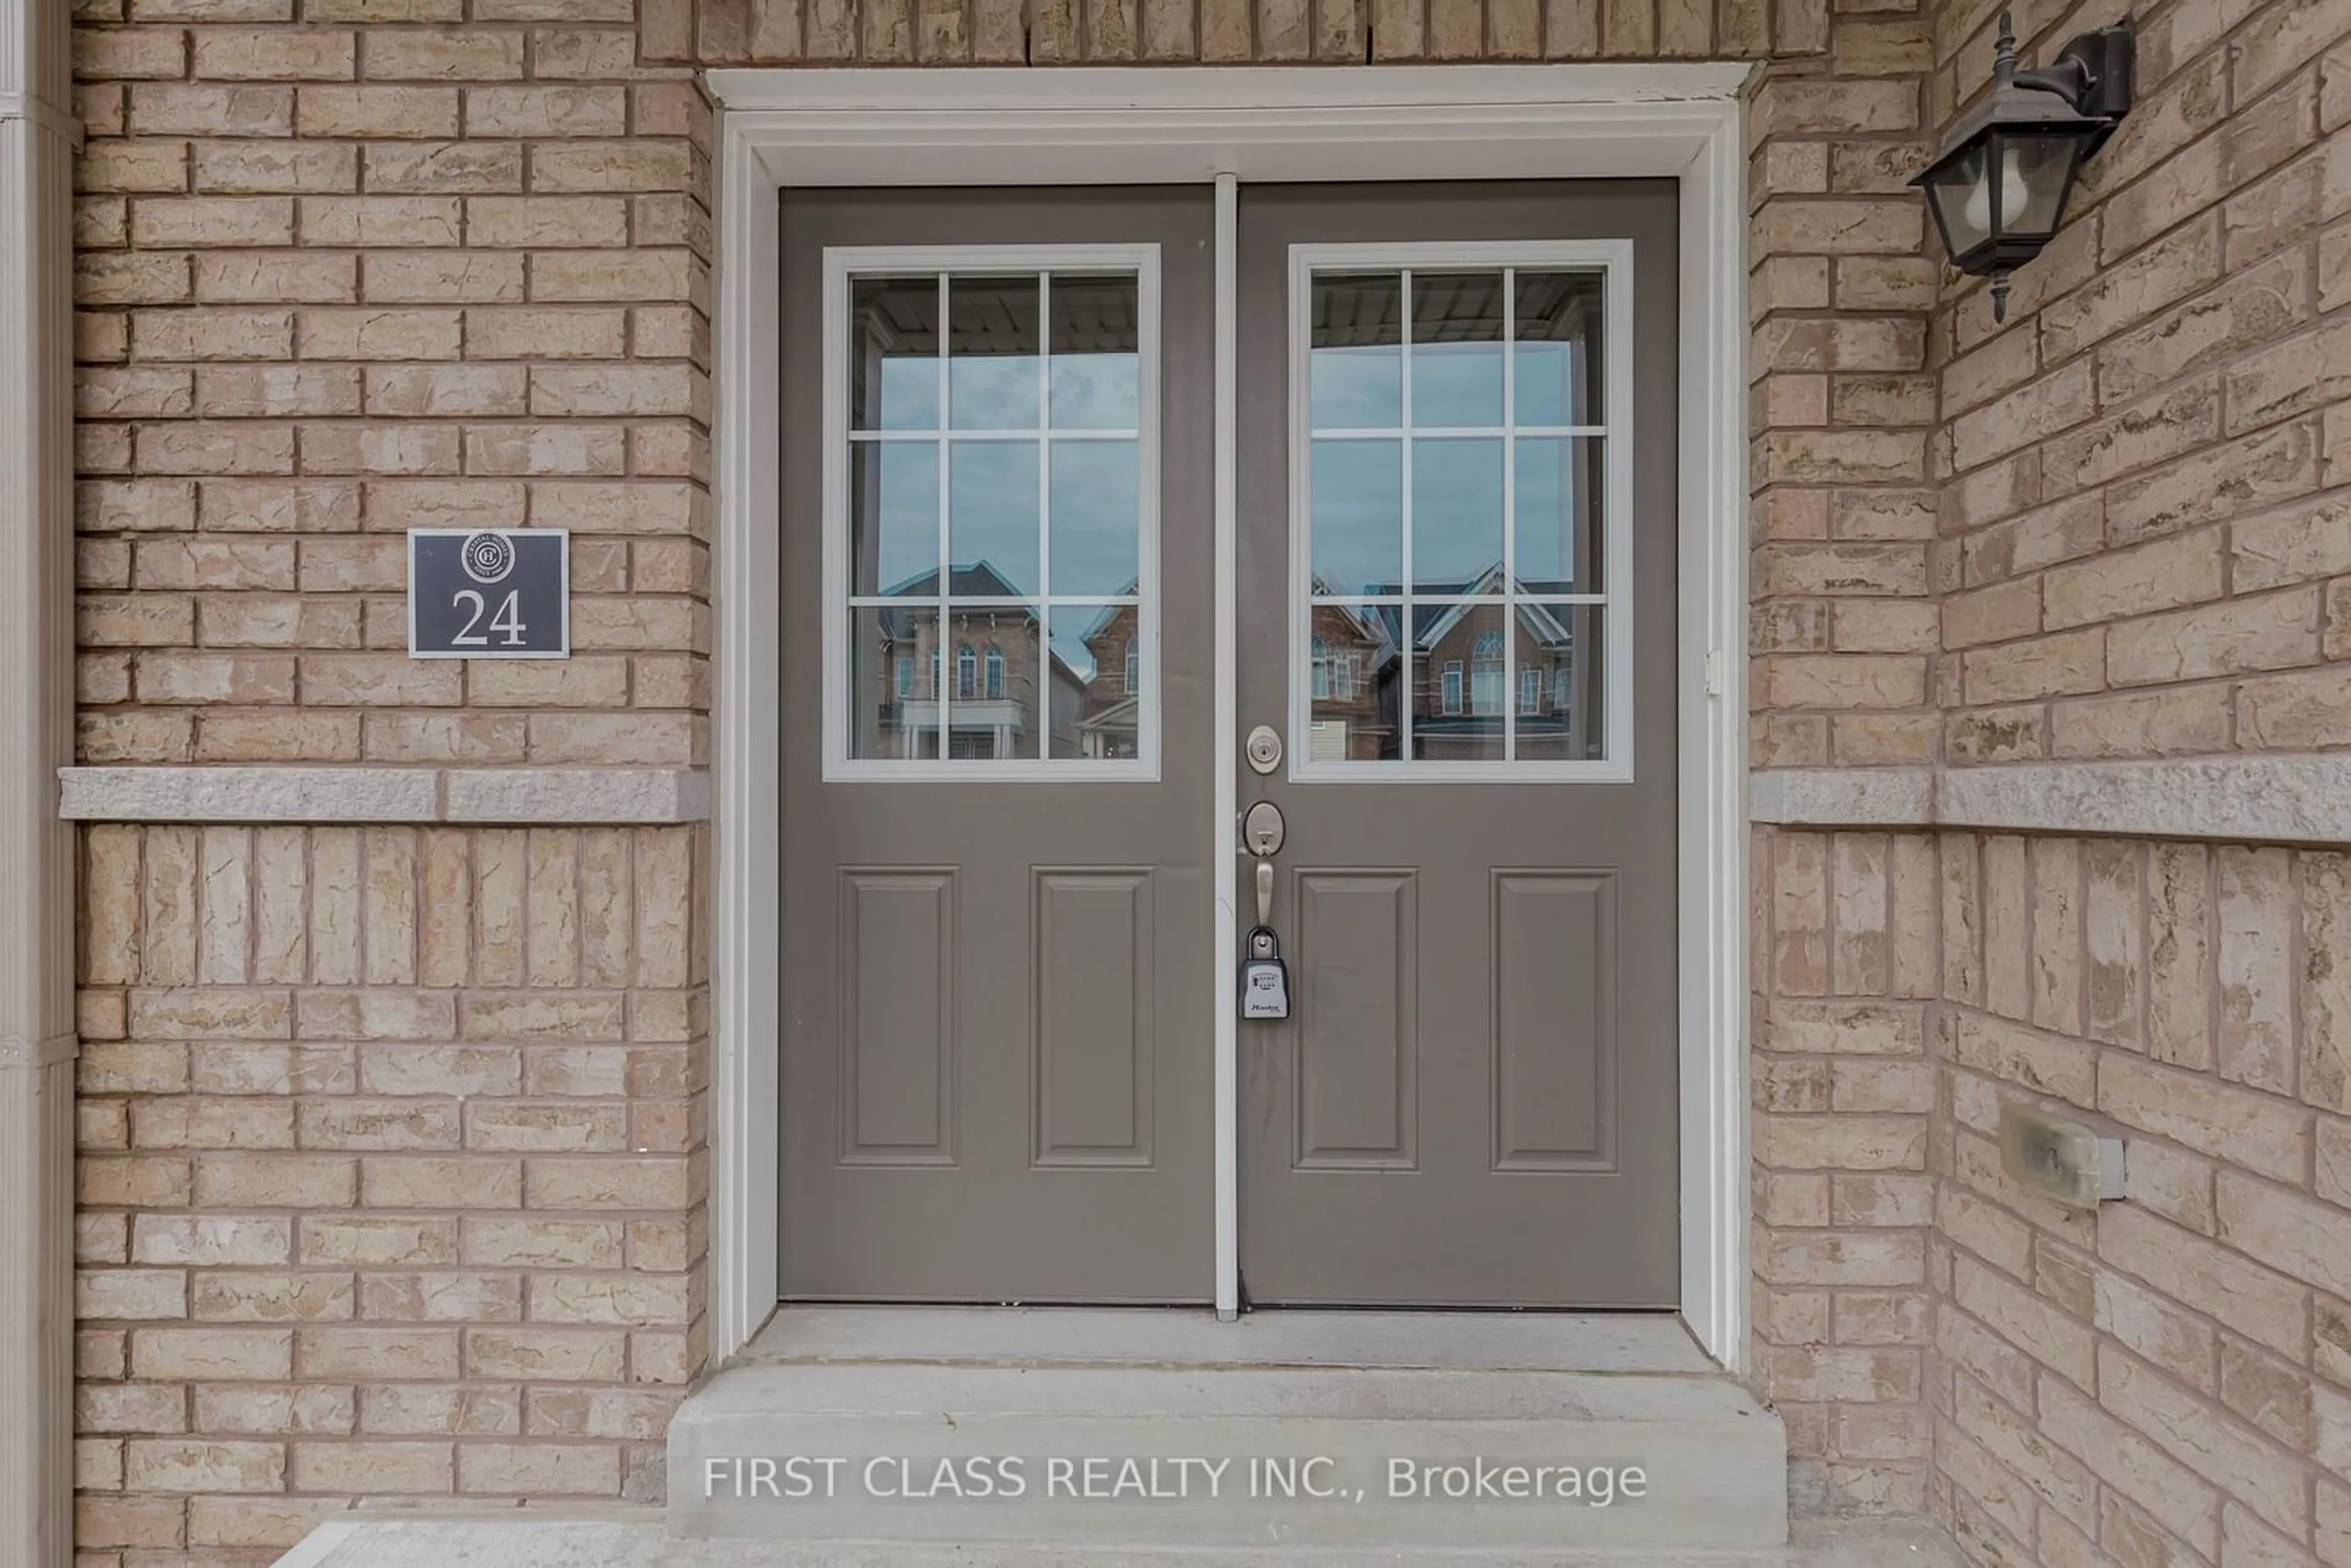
x=1311 y=1478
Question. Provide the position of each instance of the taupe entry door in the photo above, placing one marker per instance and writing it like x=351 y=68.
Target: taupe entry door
x=996 y=977
x=1464 y=397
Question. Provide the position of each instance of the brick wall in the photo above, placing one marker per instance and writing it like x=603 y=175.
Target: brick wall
x=2170 y=1378
x=2145 y=553
x=2145 y=543
x=390 y=1180
x=349 y=266
x=1845 y=960
x=369 y=273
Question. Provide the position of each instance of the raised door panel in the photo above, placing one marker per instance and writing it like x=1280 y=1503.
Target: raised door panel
x=897 y=1011
x=1353 y=989
x=1554 y=1038
x=1093 y=1004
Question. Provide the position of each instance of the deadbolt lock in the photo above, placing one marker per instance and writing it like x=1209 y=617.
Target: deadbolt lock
x=1263 y=748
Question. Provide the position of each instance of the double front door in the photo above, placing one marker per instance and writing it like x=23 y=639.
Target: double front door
x=1449 y=602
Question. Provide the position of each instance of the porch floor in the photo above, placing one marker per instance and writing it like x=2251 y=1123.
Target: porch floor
x=636 y=1540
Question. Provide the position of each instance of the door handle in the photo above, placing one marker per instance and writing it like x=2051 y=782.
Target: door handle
x=1265 y=892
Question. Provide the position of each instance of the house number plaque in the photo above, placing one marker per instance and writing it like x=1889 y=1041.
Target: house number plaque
x=489 y=593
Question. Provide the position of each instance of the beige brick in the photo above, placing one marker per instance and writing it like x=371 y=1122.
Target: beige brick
x=444 y=167
x=2255 y=898
x=2127 y=1462
x=410 y=1352
x=378 y=1239
x=175 y=109
x=311 y=54
x=2166 y=722
x=2048 y=1063
x=512 y=1242
x=409 y=113
x=426 y=1183
x=374 y=1467
x=2070 y=663
x=383 y=222
x=2184 y=569
x=2215 y=1448
x=2286 y=1230
x=189 y=1465
x=131 y=1293
x=478 y=54
x=147 y=1408
x=2237 y=637
x=2252 y=1300
x=540 y=1469
x=271 y=1298
x=192 y=223
x=640 y=1414
x=442 y=1297
x=309 y=1408
x=546 y=1354
x=544 y=222
x=280 y=279
x=431 y=1409
x=275 y=1181
x=270 y=167
x=212 y=1353
x=274 y=1522
x=2226 y=1122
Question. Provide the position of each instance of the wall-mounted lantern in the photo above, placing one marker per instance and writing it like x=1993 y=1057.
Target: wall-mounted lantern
x=1997 y=188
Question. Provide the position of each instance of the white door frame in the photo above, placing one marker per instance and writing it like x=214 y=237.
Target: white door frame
x=1220 y=126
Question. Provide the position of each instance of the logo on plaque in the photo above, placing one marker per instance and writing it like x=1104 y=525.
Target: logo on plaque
x=489 y=593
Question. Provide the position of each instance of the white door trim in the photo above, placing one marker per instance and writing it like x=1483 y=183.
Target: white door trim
x=1218 y=125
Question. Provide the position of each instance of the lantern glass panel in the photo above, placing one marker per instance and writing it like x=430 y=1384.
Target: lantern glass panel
x=2039 y=170
x=1960 y=198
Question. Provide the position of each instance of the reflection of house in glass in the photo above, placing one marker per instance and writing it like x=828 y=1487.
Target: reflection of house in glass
x=1005 y=687
x=1467 y=682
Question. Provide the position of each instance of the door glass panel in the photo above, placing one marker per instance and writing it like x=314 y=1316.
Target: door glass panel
x=1561 y=716
x=1027 y=509
x=992 y=536
x=994 y=359
x=1100 y=673
x=1557 y=349
x=893 y=522
x=991 y=673
x=1356 y=672
x=1456 y=349
x=1357 y=517
x=895 y=682
x=1456 y=516
x=1460 y=681
x=1557 y=529
x=893 y=354
x=1355 y=374
x=1096 y=515
x=1457 y=567
x=1097 y=346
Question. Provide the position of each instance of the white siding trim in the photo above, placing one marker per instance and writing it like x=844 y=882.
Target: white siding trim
x=37 y=134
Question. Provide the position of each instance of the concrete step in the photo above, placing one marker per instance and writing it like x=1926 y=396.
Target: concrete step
x=526 y=1542
x=1364 y=1437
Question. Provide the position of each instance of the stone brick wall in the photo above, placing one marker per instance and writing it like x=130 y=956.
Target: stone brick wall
x=2145 y=553
x=2147 y=544
x=390 y=1185
x=2167 y=1380
x=1845 y=960
x=400 y=264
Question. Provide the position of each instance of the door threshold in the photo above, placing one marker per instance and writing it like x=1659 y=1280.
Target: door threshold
x=1628 y=1344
